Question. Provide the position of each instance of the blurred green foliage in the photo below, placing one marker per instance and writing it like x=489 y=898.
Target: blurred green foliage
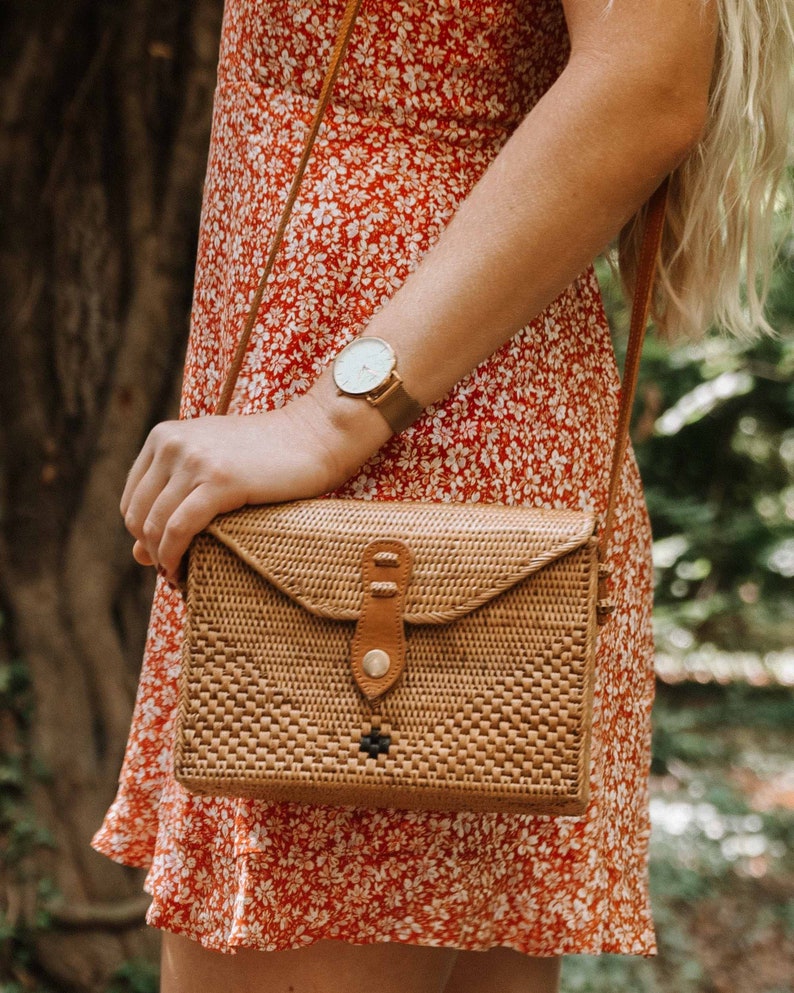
x=135 y=976
x=23 y=910
x=714 y=438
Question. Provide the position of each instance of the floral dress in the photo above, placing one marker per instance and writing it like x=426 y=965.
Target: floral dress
x=429 y=91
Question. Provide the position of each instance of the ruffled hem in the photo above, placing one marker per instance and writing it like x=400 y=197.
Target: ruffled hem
x=258 y=914
x=114 y=838
x=166 y=919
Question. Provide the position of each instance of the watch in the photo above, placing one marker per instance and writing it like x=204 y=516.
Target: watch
x=367 y=368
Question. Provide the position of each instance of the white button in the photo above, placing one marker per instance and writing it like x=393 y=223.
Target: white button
x=376 y=663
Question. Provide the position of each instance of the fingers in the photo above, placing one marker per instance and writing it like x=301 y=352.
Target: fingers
x=157 y=486
x=189 y=471
x=139 y=469
x=150 y=496
x=179 y=482
x=174 y=519
x=164 y=531
x=180 y=524
x=137 y=505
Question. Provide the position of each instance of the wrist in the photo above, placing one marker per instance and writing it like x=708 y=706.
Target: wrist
x=348 y=430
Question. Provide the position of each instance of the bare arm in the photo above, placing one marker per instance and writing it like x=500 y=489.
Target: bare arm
x=628 y=107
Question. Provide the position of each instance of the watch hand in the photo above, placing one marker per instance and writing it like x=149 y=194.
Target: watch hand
x=363 y=373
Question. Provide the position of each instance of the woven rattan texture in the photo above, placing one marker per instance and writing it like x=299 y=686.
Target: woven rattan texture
x=493 y=710
x=463 y=554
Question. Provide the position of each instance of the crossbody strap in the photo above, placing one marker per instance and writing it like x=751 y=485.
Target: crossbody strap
x=642 y=294
x=640 y=310
x=340 y=47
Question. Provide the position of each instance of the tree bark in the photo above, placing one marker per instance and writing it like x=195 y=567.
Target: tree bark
x=105 y=112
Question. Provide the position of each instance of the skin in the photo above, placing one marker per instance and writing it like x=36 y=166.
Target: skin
x=627 y=109
x=334 y=967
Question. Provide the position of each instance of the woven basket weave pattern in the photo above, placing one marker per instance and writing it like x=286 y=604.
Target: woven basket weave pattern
x=493 y=709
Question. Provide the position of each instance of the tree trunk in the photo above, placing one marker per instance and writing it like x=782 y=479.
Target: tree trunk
x=105 y=110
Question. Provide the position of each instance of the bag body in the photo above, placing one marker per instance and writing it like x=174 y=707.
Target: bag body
x=486 y=616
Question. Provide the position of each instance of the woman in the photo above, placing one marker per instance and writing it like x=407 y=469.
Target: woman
x=421 y=223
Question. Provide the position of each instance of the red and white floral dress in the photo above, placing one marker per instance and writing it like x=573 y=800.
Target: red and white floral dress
x=429 y=91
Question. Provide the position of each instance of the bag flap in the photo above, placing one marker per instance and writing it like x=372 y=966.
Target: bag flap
x=464 y=554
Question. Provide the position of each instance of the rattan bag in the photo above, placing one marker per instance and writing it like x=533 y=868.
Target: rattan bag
x=396 y=654
x=391 y=654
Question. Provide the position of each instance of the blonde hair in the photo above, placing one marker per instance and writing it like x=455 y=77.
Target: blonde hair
x=727 y=198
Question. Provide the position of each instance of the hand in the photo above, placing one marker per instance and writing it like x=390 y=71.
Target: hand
x=189 y=471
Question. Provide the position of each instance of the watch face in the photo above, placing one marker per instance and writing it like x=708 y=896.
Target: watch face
x=363 y=365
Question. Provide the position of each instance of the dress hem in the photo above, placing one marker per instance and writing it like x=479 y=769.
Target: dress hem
x=164 y=917
x=158 y=918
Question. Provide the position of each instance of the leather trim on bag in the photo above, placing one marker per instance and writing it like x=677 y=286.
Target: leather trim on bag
x=380 y=629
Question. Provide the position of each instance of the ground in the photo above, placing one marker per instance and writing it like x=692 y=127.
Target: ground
x=722 y=855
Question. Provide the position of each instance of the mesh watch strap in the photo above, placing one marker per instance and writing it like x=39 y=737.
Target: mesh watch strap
x=396 y=404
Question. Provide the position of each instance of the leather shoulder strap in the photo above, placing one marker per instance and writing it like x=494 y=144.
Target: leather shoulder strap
x=340 y=47
x=641 y=306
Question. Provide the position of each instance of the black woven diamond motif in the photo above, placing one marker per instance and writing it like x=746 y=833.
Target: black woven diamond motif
x=375 y=743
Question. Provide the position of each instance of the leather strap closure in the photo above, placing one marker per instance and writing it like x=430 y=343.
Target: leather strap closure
x=377 y=652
